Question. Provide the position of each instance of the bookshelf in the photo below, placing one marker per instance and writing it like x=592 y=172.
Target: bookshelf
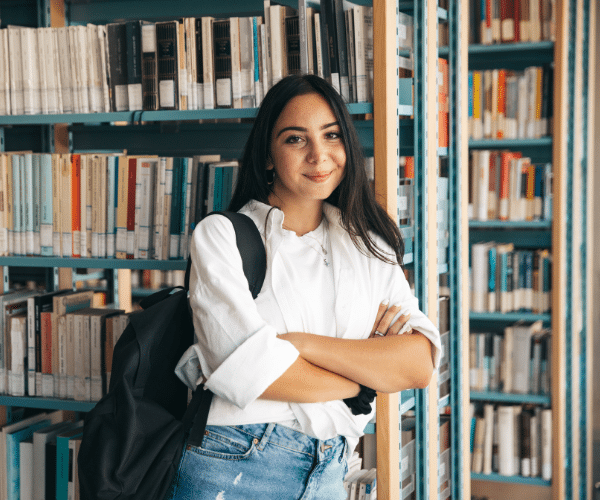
x=385 y=136
x=569 y=150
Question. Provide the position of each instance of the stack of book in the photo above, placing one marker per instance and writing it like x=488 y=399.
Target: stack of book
x=505 y=185
x=515 y=362
x=108 y=205
x=38 y=456
x=512 y=440
x=507 y=104
x=57 y=344
x=505 y=279
x=510 y=21
x=185 y=64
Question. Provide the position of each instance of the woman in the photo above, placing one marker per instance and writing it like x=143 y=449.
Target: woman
x=290 y=370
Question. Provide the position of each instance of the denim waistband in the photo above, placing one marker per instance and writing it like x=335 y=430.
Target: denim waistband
x=291 y=439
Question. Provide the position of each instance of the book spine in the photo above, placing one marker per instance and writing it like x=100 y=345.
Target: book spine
x=222 y=62
x=174 y=229
x=168 y=64
x=149 y=67
x=112 y=164
x=199 y=64
x=208 y=63
x=134 y=64
x=236 y=61
x=76 y=204
x=131 y=200
x=342 y=48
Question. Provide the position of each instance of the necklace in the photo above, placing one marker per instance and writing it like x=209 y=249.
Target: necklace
x=322 y=246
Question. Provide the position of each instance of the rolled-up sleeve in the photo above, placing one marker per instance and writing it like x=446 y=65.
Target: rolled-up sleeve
x=399 y=292
x=237 y=352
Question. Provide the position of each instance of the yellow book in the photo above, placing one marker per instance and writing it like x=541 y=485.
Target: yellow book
x=477 y=111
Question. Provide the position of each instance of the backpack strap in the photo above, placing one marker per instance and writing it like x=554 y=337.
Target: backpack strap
x=254 y=261
x=251 y=248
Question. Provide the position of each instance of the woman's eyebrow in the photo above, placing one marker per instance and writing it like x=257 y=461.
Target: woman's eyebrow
x=302 y=129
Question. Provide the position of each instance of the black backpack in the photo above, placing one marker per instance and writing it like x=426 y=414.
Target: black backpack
x=133 y=438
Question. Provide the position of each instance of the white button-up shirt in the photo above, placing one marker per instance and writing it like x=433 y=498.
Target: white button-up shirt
x=237 y=349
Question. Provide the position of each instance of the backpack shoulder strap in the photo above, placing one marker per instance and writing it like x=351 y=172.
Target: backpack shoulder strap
x=251 y=248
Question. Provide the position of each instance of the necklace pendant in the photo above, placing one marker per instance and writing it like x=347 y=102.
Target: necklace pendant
x=326 y=263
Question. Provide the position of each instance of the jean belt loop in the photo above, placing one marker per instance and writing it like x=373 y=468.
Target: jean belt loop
x=265 y=438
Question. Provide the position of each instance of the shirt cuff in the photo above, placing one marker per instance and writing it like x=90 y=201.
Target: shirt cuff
x=424 y=327
x=252 y=368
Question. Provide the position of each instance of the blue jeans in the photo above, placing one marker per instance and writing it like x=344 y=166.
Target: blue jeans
x=261 y=462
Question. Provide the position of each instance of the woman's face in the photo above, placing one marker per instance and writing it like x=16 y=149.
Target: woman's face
x=307 y=151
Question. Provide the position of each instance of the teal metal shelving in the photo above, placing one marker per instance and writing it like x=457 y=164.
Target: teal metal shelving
x=93 y=263
x=502 y=397
x=510 y=225
x=532 y=481
x=46 y=403
x=509 y=317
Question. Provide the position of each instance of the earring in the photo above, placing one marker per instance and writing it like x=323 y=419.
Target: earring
x=270 y=176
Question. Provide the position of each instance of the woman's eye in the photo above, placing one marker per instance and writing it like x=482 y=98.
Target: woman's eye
x=334 y=135
x=293 y=139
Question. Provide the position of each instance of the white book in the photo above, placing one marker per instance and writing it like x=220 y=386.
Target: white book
x=70 y=357
x=31 y=71
x=367 y=484
x=264 y=44
x=44 y=46
x=28 y=204
x=64 y=64
x=483 y=182
x=318 y=45
x=167 y=208
x=96 y=92
x=546 y=434
x=77 y=85
x=15 y=70
x=103 y=48
x=18 y=354
x=480 y=269
x=277 y=41
x=185 y=230
x=362 y=83
x=55 y=99
x=208 y=68
x=4 y=75
x=84 y=54
x=521 y=355
x=247 y=62
x=62 y=359
x=535 y=444
x=236 y=70
x=487 y=109
x=306 y=12
x=144 y=213
x=506 y=369
x=268 y=52
x=190 y=61
x=506 y=453
x=488 y=416
x=26 y=478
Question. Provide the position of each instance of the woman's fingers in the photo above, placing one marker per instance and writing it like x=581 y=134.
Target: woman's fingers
x=400 y=325
x=380 y=312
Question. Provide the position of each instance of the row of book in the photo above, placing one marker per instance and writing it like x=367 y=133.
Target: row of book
x=108 y=205
x=505 y=185
x=512 y=440
x=510 y=21
x=515 y=361
x=506 y=280
x=508 y=104
x=361 y=484
x=38 y=456
x=188 y=63
x=57 y=344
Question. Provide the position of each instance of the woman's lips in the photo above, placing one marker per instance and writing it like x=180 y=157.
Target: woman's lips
x=318 y=177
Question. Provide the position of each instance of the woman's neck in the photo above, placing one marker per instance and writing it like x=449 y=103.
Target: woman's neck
x=300 y=219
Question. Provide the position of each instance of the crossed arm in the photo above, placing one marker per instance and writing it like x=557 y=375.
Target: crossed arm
x=331 y=368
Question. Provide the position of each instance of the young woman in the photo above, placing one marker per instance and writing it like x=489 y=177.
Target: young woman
x=294 y=372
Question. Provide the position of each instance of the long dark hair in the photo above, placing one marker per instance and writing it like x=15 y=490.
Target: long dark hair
x=354 y=196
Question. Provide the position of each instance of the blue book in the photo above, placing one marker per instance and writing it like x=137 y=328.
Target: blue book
x=64 y=460
x=470 y=95
x=492 y=279
x=13 y=456
x=46 y=205
x=257 y=62
x=538 y=192
x=528 y=280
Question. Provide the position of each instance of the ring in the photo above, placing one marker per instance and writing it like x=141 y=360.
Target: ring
x=379 y=334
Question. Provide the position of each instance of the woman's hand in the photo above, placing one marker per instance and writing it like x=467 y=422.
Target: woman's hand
x=384 y=327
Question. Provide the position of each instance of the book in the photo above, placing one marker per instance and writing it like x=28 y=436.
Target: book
x=222 y=62
x=64 y=461
x=236 y=61
x=26 y=477
x=168 y=64
x=149 y=66
x=40 y=438
x=208 y=68
x=329 y=41
x=116 y=35
x=17 y=339
x=506 y=429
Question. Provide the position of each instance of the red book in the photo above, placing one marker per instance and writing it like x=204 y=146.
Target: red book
x=46 y=330
x=507 y=20
x=131 y=207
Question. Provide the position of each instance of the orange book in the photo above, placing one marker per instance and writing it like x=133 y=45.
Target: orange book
x=443 y=106
x=46 y=338
x=505 y=163
x=76 y=203
x=530 y=192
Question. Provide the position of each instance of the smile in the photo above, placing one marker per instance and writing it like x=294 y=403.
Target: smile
x=318 y=177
